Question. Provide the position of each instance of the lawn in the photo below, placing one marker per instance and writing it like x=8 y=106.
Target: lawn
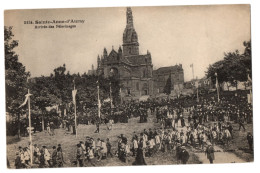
x=69 y=141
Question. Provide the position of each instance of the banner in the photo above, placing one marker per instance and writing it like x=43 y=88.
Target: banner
x=26 y=99
x=74 y=92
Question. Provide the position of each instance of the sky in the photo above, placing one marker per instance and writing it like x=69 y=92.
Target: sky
x=173 y=35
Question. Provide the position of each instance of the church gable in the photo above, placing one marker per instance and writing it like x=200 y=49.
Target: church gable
x=113 y=57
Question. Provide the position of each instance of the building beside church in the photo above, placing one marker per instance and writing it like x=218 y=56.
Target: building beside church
x=161 y=75
x=134 y=70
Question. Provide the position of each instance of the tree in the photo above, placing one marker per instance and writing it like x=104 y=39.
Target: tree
x=43 y=95
x=233 y=68
x=15 y=77
x=168 y=86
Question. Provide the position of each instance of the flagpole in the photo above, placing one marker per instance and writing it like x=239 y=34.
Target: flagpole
x=111 y=98
x=98 y=102
x=75 y=111
x=197 y=94
x=192 y=71
x=217 y=86
x=30 y=131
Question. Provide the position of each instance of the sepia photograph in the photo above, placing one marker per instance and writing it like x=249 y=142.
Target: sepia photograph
x=128 y=86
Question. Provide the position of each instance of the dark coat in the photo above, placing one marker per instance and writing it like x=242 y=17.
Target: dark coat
x=210 y=153
x=139 y=159
x=184 y=155
x=18 y=163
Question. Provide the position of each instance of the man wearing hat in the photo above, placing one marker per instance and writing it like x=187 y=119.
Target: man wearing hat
x=18 y=162
x=80 y=155
x=36 y=154
x=210 y=153
x=241 y=123
x=59 y=158
x=250 y=140
x=109 y=146
x=54 y=156
x=60 y=150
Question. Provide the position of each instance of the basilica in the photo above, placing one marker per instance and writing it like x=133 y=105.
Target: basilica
x=135 y=70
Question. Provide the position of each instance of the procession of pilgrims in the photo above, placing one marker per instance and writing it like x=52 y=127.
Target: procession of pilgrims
x=139 y=146
x=205 y=124
x=42 y=157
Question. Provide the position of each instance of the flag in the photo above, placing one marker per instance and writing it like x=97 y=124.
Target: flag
x=25 y=101
x=216 y=82
x=196 y=84
x=74 y=92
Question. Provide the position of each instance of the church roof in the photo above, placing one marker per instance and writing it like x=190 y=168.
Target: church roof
x=168 y=69
x=138 y=59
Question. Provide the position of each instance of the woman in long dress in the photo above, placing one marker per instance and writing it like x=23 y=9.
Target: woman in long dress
x=139 y=159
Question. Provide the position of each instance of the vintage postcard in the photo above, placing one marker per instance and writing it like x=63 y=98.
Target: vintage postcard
x=128 y=86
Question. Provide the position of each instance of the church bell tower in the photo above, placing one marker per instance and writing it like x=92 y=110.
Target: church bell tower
x=130 y=38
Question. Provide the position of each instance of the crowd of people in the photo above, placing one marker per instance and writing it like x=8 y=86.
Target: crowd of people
x=40 y=157
x=91 y=151
x=140 y=146
x=184 y=122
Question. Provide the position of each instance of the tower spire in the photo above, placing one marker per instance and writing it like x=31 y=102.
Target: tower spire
x=130 y=38
x=129 y=17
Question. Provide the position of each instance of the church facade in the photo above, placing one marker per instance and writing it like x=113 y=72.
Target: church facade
x=135 y=71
